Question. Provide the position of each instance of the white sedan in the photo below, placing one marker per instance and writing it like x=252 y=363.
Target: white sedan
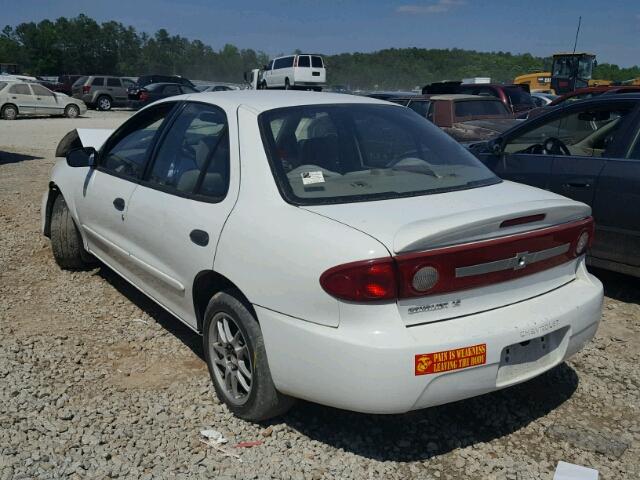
x=334 y=248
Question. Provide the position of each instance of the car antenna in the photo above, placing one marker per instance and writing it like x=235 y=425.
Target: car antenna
x=575 y=44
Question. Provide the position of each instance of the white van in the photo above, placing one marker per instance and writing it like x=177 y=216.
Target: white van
x=295 y=71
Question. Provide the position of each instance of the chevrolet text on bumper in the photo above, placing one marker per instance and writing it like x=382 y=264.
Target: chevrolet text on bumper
x=367 y=262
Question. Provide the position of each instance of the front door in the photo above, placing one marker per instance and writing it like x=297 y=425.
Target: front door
x=176 y=215
x=46 y=101
x=102 y=204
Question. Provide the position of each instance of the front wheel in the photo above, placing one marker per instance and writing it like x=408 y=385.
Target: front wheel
x=237 y=360
x=72 y=111
x=66 y=241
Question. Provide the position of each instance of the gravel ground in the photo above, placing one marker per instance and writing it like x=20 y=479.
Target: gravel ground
x=98 y=382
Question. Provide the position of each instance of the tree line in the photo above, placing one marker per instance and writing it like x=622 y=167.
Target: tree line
x=80 y=45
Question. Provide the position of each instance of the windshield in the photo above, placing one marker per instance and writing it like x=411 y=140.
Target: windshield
x=355 y=152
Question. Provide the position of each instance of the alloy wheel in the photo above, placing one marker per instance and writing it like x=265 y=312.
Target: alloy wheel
x=104 y=104
x=231 y=359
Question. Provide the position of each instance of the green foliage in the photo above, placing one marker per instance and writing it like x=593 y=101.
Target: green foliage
x=80 y=45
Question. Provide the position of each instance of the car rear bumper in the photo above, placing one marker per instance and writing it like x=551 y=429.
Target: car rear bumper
x=370 y=366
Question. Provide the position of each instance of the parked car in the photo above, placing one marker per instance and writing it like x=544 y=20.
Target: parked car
x=217 y=87
x=590 y=92
x=366 y=262
x=25 y=98
x=588 y=151
x=295 y=71
x=516 y=97
x=390 y=96
x=102 y=92
x=51 y=84
x=145 y=80
x=156 y=91
x=541 y=99
x=66 y=82
x=467 y=118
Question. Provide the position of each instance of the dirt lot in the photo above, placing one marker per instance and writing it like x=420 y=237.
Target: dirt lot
x=97 y=382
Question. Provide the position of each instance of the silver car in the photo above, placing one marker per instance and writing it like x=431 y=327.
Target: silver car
x=102 y=91
x=24 y=98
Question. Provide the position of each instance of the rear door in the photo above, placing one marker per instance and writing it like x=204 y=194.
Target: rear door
x=302 y=69
x=616 y=201
x=318 y=71
x=21 y=95
x=103 y=201
x=46 y=102
x=176 y=214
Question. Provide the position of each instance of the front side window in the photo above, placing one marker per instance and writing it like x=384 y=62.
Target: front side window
x=278 y=63
x=41 y=91
x=127 y=151
x=354 y=152
x=194 y=155
x=20 y=89
x=171 y=90
x=585 y=133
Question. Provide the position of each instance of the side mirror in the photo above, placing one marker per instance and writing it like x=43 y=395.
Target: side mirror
x=496 y=146
x=81 y=157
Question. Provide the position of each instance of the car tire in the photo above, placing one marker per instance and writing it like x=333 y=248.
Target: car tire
x=287 y=85
x=228 y=316
x=103 y=103
x=72 y=111
x=264 y=86
x=66 y=242
x=9 y=112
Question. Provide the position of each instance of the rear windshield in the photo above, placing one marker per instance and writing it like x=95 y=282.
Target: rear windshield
x=316 y=61
x=473 y=108
x=80 y=81
x=2 y=85
x=353 y=152
x=517 y=96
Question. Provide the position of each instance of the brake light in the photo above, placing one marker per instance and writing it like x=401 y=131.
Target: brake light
x=364 y=281
x=459 y=267
x=86 y=88
x=143 y=95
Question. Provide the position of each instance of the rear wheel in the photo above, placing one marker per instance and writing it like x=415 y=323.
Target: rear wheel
x=9 y=112
x=237 y=360
x=104 y=103
x=71 y=111
x=66 y=241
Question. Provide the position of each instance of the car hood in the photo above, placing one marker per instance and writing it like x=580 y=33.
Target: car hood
x=430 y=221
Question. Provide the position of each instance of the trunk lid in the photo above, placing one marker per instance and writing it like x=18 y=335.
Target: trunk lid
x=421 y=224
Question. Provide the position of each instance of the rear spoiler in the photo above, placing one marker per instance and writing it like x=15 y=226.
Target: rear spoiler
x=82 y=138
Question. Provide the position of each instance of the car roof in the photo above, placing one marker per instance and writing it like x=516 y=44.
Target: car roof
x=263 y=100
x=462 y=96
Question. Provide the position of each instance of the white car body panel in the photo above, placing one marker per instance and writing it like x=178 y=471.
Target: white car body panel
x=358 y=356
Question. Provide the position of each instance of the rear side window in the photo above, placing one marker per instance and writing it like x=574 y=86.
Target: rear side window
x=304 y=61
x=98 y=82
x=20 y=89
x=128 y=150
x=40 y=91
x=194 y=155
x=477 y=108
x=171 y=90
x=316 y=62
x=113 y=82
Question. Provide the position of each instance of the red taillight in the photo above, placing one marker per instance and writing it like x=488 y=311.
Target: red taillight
x=459 y=267
x=143 y=95
x=86 y=88
x=362 y=281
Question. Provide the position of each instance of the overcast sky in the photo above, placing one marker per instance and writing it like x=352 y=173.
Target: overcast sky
x=610 y=28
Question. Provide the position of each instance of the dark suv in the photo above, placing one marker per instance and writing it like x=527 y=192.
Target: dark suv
x=145 y=80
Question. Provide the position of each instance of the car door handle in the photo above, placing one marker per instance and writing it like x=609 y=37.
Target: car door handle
x=576 y=185
x=119 y=204
x=199 y=237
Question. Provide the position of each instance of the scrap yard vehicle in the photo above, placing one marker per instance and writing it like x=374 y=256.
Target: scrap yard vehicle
x=368 y=261
x=102 y=92
x=588 y=151
x=18 y=98
x=467 y=118
x=302 y=71
x=516 y=97
x=157 y=91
